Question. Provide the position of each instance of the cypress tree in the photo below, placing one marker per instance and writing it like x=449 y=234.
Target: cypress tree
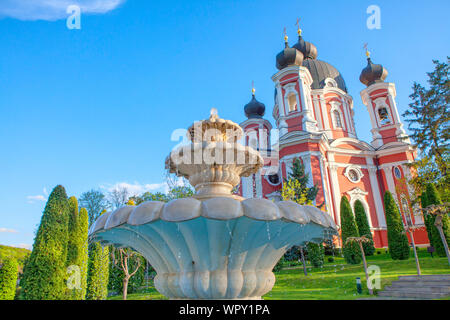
x=8 y=279
x=45 y=271
x=316 y=254
x=427 y=218
x=77 y=252
x=98 y=272
x=397 y=240
x=352 y=253
x=434 y=198
x=364 y=228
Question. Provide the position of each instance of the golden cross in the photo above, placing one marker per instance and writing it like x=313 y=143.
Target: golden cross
x=367 y=50
x=299 y=31
x=253 y=87
x=285 y=34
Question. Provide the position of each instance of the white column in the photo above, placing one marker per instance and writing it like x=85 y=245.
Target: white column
x=335 y=190
x=319 y=119
x=258 y=183
x=307 y=163
x=323 y=105
x=323 y=176
x=377 y=196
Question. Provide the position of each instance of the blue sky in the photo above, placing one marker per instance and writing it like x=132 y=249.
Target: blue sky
x=95 y=107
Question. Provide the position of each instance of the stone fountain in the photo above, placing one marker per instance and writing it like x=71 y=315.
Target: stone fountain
x=215 y=245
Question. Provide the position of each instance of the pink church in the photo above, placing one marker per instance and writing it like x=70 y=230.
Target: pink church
x=314 y=113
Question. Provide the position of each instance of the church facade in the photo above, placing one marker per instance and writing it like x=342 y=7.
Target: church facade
x=313 y=113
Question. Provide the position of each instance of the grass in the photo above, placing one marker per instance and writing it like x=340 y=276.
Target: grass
x=19 y=254
x=334 y=281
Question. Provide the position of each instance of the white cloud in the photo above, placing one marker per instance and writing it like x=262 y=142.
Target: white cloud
x=53 y=9
x=135 y=189
x=5 y=230
x=32 y=199
x=25 y=246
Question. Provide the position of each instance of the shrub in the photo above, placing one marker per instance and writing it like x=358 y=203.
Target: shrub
x=364 y=228
x=98 y=272
x=77 y=251
x=352 y=253
x=45 y=270
x=397 y=241
x=8 y=279
x=315 y=254
x=330 y=259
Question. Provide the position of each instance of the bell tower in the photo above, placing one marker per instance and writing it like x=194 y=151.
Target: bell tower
x=293 y=104
x=379 y=98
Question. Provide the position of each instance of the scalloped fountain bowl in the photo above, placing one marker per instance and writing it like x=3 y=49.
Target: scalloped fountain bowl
x=214 y=245
x=220 y=248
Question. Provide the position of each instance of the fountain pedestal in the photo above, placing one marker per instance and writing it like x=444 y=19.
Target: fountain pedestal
x=214 y=245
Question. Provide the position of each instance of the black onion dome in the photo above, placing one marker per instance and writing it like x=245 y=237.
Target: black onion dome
x=254 y=109
x=373 y=73
x=307 y=48
x=321 y=70
x=289 y=57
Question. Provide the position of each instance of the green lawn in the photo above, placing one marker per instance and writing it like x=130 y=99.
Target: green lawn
x=334 y=281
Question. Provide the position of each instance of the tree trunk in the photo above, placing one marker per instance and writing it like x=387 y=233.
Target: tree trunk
x=125 y=287
x=365 y=269
x=303 y=261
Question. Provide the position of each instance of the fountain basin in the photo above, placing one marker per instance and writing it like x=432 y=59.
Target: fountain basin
x=218 y=248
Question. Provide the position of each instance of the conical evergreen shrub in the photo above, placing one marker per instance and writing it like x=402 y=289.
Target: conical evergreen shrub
x=352 y=253
x=98 y=272
x=8 y=279
x=434 y=198
x=428 y=219
x=45 y=271
x=77 y=253
x=397 y=240
x=363 y=228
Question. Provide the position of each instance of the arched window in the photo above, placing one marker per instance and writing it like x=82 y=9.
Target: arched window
x=292 y=101
x=337 y=119
x=383 y=114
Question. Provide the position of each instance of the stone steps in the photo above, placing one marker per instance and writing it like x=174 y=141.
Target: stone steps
x=418 y=287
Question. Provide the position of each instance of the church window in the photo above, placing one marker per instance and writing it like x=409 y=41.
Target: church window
x=384 y=116
x=292 y=100
x=353 y=175
x=274 y=179
x=337 y=119
x=397 y=172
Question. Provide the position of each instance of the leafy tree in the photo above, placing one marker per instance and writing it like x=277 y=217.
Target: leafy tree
x=397 y=240
x=352 y=253
x=296 y=189
x=98 y=272
x=179 y=192
x=45 y=271
x=428 y=117
x=433 y=198
x=95 y=202
x=8 y=279
x=118 y=197
x=148 y=196
x=302 y=191
x=77 y=251
x=127 y=271
x=292 y=191
x=364 y=228
x=316 y=254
